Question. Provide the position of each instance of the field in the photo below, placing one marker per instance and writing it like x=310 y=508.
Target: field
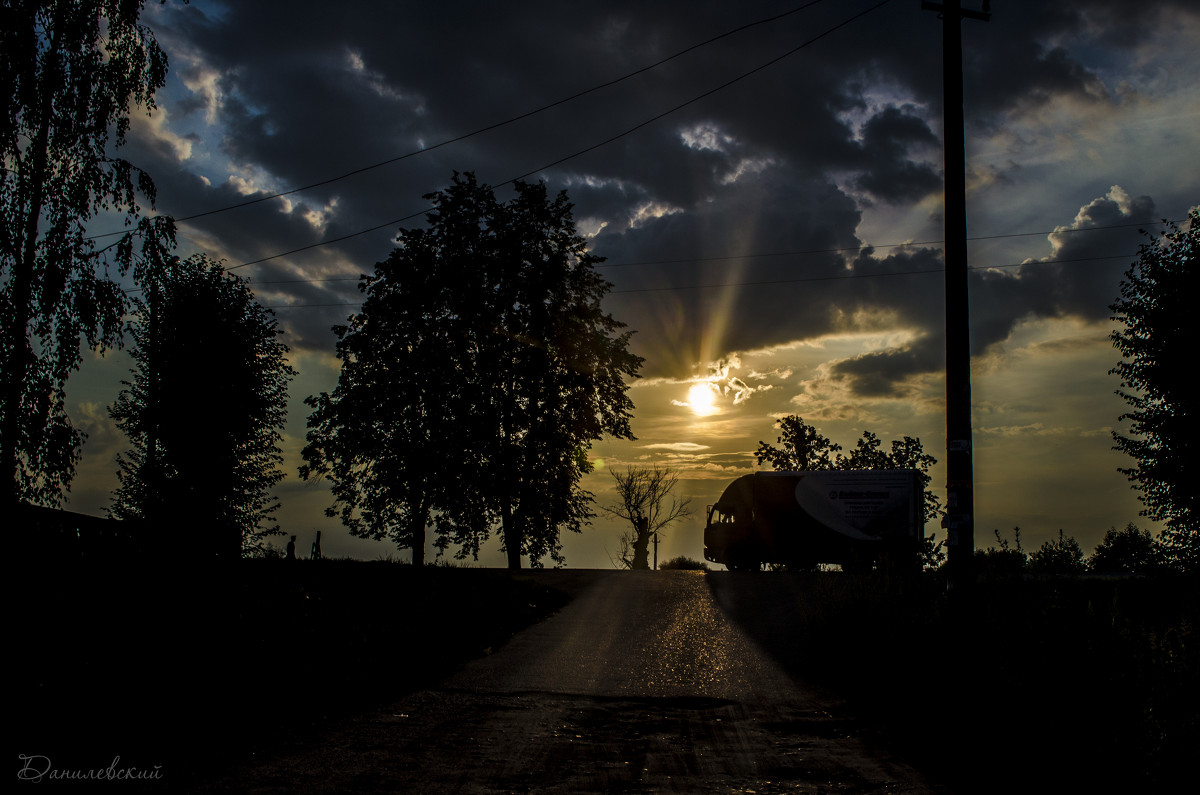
x=1029 y=684
x=195 y=670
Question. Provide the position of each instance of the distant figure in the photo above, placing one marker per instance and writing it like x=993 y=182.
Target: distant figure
x=291 y=549
x=315 y=554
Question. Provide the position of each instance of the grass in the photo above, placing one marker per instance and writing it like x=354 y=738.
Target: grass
x=1027 y=685
x=196 y=669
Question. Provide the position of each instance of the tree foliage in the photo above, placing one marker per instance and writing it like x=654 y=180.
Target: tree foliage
x=1005 y=560
x=474 y=380
x=643 y=492
x=70 y=72
x=1158 y=340
x=204 y=411
x=1061 y=557
x=801 y=448
x=1130 y=550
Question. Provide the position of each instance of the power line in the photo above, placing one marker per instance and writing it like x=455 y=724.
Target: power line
x=858 y=276
x=843 y=250
x=489 y=127
x=763 y=255
x=708 y=93
x=592 y=147
x=797 y=280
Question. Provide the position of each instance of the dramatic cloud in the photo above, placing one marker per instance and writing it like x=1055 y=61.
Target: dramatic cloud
x=777 y=240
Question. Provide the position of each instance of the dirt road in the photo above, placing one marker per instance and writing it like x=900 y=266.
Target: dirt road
x=639 y=685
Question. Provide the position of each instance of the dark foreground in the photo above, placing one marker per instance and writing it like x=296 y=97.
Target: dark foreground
x=184 y=672
x=344 y=676
x=639 y=685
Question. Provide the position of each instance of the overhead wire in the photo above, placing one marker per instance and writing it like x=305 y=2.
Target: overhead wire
x=590 y=148
x=762 y=255
x=489 y=127
x=797 y=280
x=841 y=277
x=609 y=140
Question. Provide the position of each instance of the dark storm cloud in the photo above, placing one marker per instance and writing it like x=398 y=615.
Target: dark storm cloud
x=880 y=374
x=1079 y=280
x=310 y=90
x=693 y=283
x=887 y=141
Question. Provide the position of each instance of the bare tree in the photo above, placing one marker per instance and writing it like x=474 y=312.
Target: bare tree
x=644 y=492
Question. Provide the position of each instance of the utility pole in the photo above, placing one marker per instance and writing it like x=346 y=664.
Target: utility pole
x=960 y=499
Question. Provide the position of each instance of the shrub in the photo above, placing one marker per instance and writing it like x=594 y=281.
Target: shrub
x=1002 y=561
x=1128 y=551
x=1061 y=558
x=685 y=563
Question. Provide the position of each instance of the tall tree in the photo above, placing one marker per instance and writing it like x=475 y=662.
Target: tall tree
x=801 y=448
x=388 y=437
x=1158 y=341
x=643 y=492
x=70 y=71
x=204 y=412
x=475 y=378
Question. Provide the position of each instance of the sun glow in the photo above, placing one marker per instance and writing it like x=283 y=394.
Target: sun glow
x=702 y=399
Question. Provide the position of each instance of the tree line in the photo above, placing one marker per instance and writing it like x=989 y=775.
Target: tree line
x=1130 y=550
x=475 y=377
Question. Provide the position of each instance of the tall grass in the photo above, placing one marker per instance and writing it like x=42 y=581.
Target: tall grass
x=1066 y=684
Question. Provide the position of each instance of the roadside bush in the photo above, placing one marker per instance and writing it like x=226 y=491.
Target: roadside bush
x=1002 y=561
x=1128 y=551
x=685 y=563
x=1055 y=684
x=1061 y=558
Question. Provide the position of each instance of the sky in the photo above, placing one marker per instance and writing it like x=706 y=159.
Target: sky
x=769 y=204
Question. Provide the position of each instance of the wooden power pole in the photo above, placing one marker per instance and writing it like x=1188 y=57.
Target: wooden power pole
x=960 y=500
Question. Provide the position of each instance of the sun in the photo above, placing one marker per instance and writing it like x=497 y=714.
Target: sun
x=702 y=399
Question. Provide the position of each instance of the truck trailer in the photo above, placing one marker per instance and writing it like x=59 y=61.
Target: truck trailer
x=852 y=518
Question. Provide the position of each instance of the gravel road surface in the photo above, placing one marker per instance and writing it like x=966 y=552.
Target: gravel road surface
x=640 y=684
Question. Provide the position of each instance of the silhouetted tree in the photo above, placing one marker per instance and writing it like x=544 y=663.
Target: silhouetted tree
x=70 y=71
x=203 y=412
x=1005 y=560
x=1158 y=341
x=475 y=379
x=643 y=492
x=1061 y=557
x=1127 y=551
x=803 y=448
x=389 y=436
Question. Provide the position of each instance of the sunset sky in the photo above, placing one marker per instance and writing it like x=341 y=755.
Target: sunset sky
x=775 y=243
